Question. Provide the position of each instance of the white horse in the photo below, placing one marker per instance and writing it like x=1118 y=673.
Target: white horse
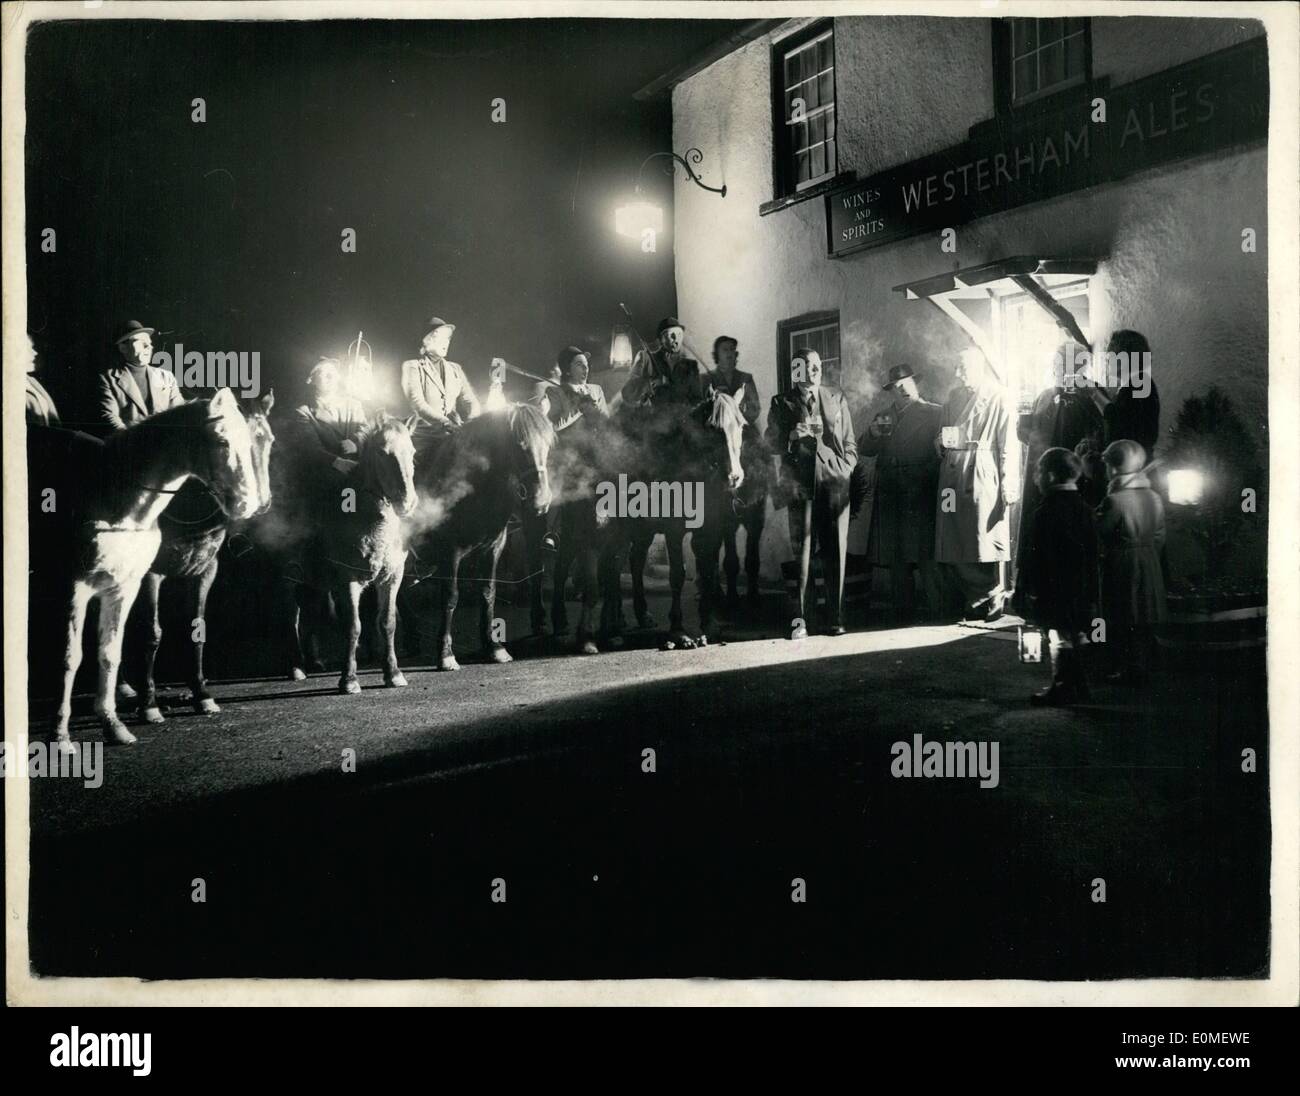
x=123 y=485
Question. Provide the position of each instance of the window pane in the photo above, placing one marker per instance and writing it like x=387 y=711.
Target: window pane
x=1024 y=82
x=1050 y=30
x=826 y=88
x=831 y=162
x=801 y=172
x=1024 y=36
x=826 y=53
x=1051 y=61
x=1074 y=56
x=829 y=124
x=816 y=130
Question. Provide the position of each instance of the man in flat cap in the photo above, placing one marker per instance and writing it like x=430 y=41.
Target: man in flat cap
x=133 y=389
x=907 y=480
x=436 y=389
x=669 y=374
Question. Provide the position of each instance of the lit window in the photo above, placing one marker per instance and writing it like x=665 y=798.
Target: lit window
x=803 y=109
x=819 y=331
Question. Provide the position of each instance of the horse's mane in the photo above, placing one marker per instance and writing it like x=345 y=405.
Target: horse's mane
x=530 y=427
x=184 y=421
x=725 y=413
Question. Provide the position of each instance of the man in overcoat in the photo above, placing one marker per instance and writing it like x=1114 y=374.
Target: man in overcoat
x=437 y=390
x=907 y=473
x=979 y=482
x=812 y=433
x=132 y=389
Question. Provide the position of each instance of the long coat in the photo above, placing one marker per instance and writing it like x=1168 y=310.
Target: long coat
x=315 y=435
x=1131 y=525
x=121 y=403
x=907 y=476
x=436 y=389
x=985 y=466
x=566 y=403
x=1133 y=417
x=1058 y=561
x=819 y=471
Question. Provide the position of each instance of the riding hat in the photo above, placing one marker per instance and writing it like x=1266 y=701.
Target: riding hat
x=435 y=322
x=667 y=322
x=565 y=357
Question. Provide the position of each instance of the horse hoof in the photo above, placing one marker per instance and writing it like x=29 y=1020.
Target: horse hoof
x=125 y=692
x=296 y=674
x=587 y=647
x=686 y=643
x=448 y=663
x=501 y=655
x=397 y=681
x=701 y=641
x=668 y=645
x=207 y=706
x=151 y=715
x=349 y=686
x=115 y=732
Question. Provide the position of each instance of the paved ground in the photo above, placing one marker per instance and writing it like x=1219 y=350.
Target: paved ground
x=773 y=762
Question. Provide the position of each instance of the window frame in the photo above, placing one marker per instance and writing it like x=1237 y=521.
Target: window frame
x=784 y=187
x=1003 y=77
x=785 y=330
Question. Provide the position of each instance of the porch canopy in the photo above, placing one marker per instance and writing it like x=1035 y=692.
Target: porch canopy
x=972 y=298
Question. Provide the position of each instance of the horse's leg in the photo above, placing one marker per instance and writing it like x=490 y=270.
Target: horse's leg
x=641 y=540
x=114 y=605
x=588 y=581
x=352 y=606
x=81 y=594
x=201 y=585
x=150 y=593
x=493 y=647
x=563 y=561
x=675 y=534
x=754 y=518
x=731 y=562
x=387 y=620
x=450 y=598
x=290 y=611
x=535 y=529
x=704 y=546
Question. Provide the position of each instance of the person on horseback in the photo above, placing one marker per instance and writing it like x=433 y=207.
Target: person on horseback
x=667 y=375
x=437 y=391
x=134 y=389
x=574 y=397
x=325 y=435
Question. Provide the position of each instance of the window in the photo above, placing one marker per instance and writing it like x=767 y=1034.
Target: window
x=803 y=109
x=1035 y=57
x=818 y=331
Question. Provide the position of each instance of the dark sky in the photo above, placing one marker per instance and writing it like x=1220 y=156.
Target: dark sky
x=226 y=234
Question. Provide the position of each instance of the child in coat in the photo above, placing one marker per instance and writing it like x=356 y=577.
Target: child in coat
x=1131 y=524
x=1058 y=573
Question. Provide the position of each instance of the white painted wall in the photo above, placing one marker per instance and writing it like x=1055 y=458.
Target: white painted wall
x=1170 y=238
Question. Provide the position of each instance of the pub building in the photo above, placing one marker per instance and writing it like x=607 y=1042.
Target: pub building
x=898 y=187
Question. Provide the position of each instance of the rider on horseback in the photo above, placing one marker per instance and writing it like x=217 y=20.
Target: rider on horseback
x=437 y=390
x=666 y=375
x=574 y=397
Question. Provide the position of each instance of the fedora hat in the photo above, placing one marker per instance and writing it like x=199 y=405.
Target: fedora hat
x=131 y=327
x=667 y=322
x=435 y=322
x=899 y=373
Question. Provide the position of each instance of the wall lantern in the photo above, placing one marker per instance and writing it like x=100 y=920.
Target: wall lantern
x=637 y=217
x=620 y=348
x=1186 y=485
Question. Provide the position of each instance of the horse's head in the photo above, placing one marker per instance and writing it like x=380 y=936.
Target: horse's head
x=533 y=437
x=228 y=450
x=721 y=413
x=257 y=414
x=388 y=459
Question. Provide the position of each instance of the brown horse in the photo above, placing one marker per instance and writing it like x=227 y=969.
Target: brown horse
x=124 y=485
x=685 y=446
x=470 y=487
x=193 y=530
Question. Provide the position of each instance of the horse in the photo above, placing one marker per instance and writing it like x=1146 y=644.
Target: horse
x=470 y=487
x=699 y=444
x=194 y=528
x=111 y=528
